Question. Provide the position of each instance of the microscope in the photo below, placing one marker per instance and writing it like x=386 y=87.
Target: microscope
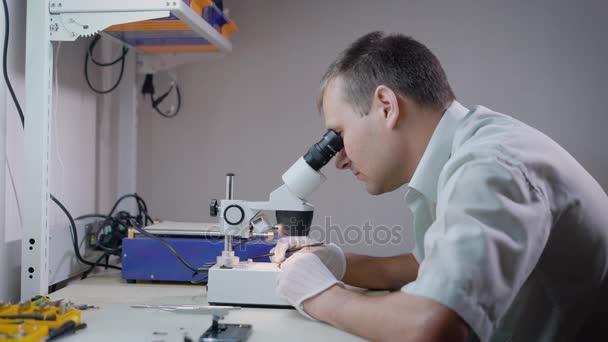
x=249 y=283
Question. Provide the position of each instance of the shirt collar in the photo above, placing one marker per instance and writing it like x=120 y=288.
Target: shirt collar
x=436 y=154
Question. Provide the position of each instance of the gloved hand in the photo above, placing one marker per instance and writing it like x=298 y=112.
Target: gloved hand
x=331 y=255
x=303 y=276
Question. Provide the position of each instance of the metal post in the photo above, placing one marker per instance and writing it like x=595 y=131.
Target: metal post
x=229 y=186
x=126 y=153
x=5 y=287
x=38 y=85
x=229 y=196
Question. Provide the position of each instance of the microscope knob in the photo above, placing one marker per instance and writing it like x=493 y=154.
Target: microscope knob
x=213 y=208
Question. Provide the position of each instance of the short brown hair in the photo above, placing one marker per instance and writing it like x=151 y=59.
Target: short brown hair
x=399 y=62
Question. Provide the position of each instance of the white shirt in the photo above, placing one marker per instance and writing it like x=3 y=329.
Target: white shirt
x=511 y=231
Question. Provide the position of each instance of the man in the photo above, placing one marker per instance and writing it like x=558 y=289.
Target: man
x=511 y=232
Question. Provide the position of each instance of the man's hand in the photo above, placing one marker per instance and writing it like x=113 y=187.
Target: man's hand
x=315 y=292
x=303 y=276
x=331 y=255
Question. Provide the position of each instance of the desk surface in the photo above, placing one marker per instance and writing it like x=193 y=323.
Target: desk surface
x=115 y=320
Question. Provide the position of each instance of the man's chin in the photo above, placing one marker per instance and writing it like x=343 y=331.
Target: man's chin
x=373 y=190
x=376 y=189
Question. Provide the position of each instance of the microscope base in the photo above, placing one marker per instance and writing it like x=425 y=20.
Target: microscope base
x=246 y=284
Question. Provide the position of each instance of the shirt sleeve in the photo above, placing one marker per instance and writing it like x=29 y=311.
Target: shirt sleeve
x=491 y=227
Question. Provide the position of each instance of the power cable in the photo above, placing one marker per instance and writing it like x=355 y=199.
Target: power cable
x=171 y=249
x=4 y=63
x=75 y=237
x=89 y=55
x=148 y=88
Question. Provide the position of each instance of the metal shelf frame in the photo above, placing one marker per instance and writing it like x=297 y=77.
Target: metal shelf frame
x=75 y=18
x=66 y=20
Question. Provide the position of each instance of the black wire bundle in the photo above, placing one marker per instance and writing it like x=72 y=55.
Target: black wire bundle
x=4 y=63
x=142 y=219
x=148 y=88
x=75 y=237
x=89 y=55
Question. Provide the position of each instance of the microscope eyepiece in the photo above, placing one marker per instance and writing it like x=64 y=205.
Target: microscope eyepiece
x=321 y=153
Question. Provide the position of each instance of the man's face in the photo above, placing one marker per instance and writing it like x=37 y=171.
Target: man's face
x=364 y=151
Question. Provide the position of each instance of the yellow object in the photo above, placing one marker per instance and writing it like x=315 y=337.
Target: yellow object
x=171 y=34
x=31 y=321
x=25 y=332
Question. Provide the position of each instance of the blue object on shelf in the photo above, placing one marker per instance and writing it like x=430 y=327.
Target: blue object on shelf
x=147 y=259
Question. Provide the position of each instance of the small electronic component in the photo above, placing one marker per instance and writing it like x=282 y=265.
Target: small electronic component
x=222 y=332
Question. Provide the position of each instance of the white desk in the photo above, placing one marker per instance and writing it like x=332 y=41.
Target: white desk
x=116 y=321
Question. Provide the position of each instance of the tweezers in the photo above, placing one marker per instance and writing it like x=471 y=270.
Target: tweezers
x=288 y=251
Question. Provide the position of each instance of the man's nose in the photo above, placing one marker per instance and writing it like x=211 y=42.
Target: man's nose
x=342 y=161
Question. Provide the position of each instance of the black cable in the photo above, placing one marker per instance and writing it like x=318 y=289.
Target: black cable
x=102 y=92
x=171 y=249
x=144 y=211
x=242 y=242
x=108 y=250
x=89 y=55
x=102 y=64
x=158 y=101
x=123 y=197
x=4 y=63
x=82 y=217
x=86 y=273
x=75 y=237
x=148 y=88
x=121 y=218
x=199 y=281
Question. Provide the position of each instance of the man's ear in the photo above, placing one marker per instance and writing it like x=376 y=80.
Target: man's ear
x=387 y=102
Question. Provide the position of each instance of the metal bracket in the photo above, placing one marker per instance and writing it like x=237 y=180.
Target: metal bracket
x=70 y=26
x=151 y=63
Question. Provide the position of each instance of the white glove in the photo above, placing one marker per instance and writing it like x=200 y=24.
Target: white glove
x=331 y=255
x=303 y=276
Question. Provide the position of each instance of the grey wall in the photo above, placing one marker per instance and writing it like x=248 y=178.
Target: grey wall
x=253 y=112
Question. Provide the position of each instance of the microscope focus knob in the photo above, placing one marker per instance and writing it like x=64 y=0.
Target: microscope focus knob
x=213 y=208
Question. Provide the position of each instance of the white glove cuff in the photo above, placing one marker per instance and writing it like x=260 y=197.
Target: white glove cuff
x=304 y=276
x=341 y=260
